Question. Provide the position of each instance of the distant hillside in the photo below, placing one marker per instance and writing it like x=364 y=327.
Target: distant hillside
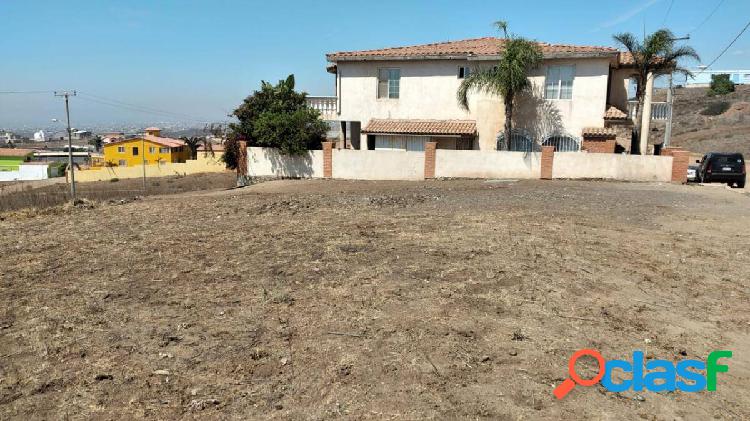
x=727 y=132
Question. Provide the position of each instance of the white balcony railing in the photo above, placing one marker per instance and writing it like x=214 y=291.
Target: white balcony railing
x=659 y=110
x=326 y=105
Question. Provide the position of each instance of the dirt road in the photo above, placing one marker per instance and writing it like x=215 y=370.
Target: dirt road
x=372 y=300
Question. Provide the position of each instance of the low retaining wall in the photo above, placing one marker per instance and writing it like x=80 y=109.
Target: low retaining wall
x=265 y=162
x=377 y=165
x=201 y=165
x=612 y=166
x=487 y=164
x=441 y=163
x=26 y=172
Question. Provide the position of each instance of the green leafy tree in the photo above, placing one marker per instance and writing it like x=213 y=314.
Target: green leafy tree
x=720 y=85
x=96 y=142
x=657 y=55
x=276 y=116
x=508 y=78
x=193 y=143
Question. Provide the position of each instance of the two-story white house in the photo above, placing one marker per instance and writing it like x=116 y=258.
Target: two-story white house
x=398 y=98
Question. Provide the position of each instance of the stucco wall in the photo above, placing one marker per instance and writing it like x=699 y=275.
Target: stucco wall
x=487 y=164
x=25 y=173
x=378 y=165
x=428 y=91
x=264 y=162
x=618 y=95
x=612 y=166
x=203 y=164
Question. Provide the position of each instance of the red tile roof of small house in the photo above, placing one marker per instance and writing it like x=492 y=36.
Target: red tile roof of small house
x=15 y=152
x=476 y=47
x=164 y=141
x=422 y=127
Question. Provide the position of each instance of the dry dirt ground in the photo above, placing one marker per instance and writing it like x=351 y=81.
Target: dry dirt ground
x=372 y=300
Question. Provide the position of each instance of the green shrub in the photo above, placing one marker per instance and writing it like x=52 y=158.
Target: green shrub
x=720 y=85
x=716 y=108
x=114 y=180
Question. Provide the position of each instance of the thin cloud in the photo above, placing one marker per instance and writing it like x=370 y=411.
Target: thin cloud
x=627 y=15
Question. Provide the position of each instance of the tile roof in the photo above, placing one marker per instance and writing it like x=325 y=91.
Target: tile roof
x=614 y=113
x=151 y=129
x=626 y=59
x=422 y=127
x=601 y=132
x=164 y=141
x=15 y=152
x=488 y=46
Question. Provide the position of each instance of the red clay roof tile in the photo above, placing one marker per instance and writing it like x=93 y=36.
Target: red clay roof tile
x=422 y=127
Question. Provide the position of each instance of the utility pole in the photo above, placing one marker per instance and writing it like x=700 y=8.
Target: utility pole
x=67 y=95
x=143 y=154
x=670 y=102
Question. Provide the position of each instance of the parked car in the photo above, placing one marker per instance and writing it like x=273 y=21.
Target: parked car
x=718 y=167
x=692 y=172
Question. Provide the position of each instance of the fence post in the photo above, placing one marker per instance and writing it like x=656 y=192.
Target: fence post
x=429 y=159
x=548 y=157
x=327 y=159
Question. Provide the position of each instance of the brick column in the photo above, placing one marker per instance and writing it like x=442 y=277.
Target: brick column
x=548 y=157
x=327 y=159
x=680 y=162
x=242 y=169
x=429 y=159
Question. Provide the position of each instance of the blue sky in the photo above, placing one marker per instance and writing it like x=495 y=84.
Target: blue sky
x=201 y=57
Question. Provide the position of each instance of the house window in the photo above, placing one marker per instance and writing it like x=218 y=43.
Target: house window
x=389 y=83
x=122 y=163
x=163 y=150
x=135 y=150
x=559 y=82
x=464 y=72
x=121 y=149
x=151 y=149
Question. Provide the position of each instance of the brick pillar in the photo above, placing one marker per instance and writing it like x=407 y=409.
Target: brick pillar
x=548 y=156
x=327 y=159
x=429 y=159
x=242 y=169
x=680 y=162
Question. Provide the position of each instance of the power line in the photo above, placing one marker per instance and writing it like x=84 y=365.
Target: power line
x=727 y=48
x=27 y=92
x=140 y=109
x=671 y=3
x=710 y=15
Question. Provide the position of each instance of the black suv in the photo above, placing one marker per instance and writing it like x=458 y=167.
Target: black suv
x=722 y=168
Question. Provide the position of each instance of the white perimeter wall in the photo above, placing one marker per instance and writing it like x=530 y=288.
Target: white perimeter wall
x=269 y=162
x=25 y=173
x=378 y=165
x=487 y=164
x=612 y=166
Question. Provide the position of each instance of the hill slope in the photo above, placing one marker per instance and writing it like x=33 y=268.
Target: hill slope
x=726 y=132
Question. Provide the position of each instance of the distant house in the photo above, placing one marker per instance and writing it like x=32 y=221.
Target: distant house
x=702 y=77
x=399 y=98
x=150 y=147
x=11 y=158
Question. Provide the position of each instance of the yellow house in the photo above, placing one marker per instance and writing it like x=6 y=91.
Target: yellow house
x=150 y=147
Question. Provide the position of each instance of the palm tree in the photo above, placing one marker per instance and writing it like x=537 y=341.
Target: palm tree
x=193 y=143
x=655 y=56
x=507 y=78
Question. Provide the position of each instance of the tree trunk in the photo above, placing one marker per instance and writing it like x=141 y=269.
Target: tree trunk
x=508 y=121
x=635 y=142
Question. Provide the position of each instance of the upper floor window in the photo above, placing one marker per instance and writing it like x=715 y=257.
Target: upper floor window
x=135 y=150
x=163 y=150
x=121 y=149
x=389 y=83
x=464 y=72
x=151 y=149
x=559 y=82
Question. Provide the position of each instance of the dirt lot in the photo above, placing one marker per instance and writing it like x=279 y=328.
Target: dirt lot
x=374 y=300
